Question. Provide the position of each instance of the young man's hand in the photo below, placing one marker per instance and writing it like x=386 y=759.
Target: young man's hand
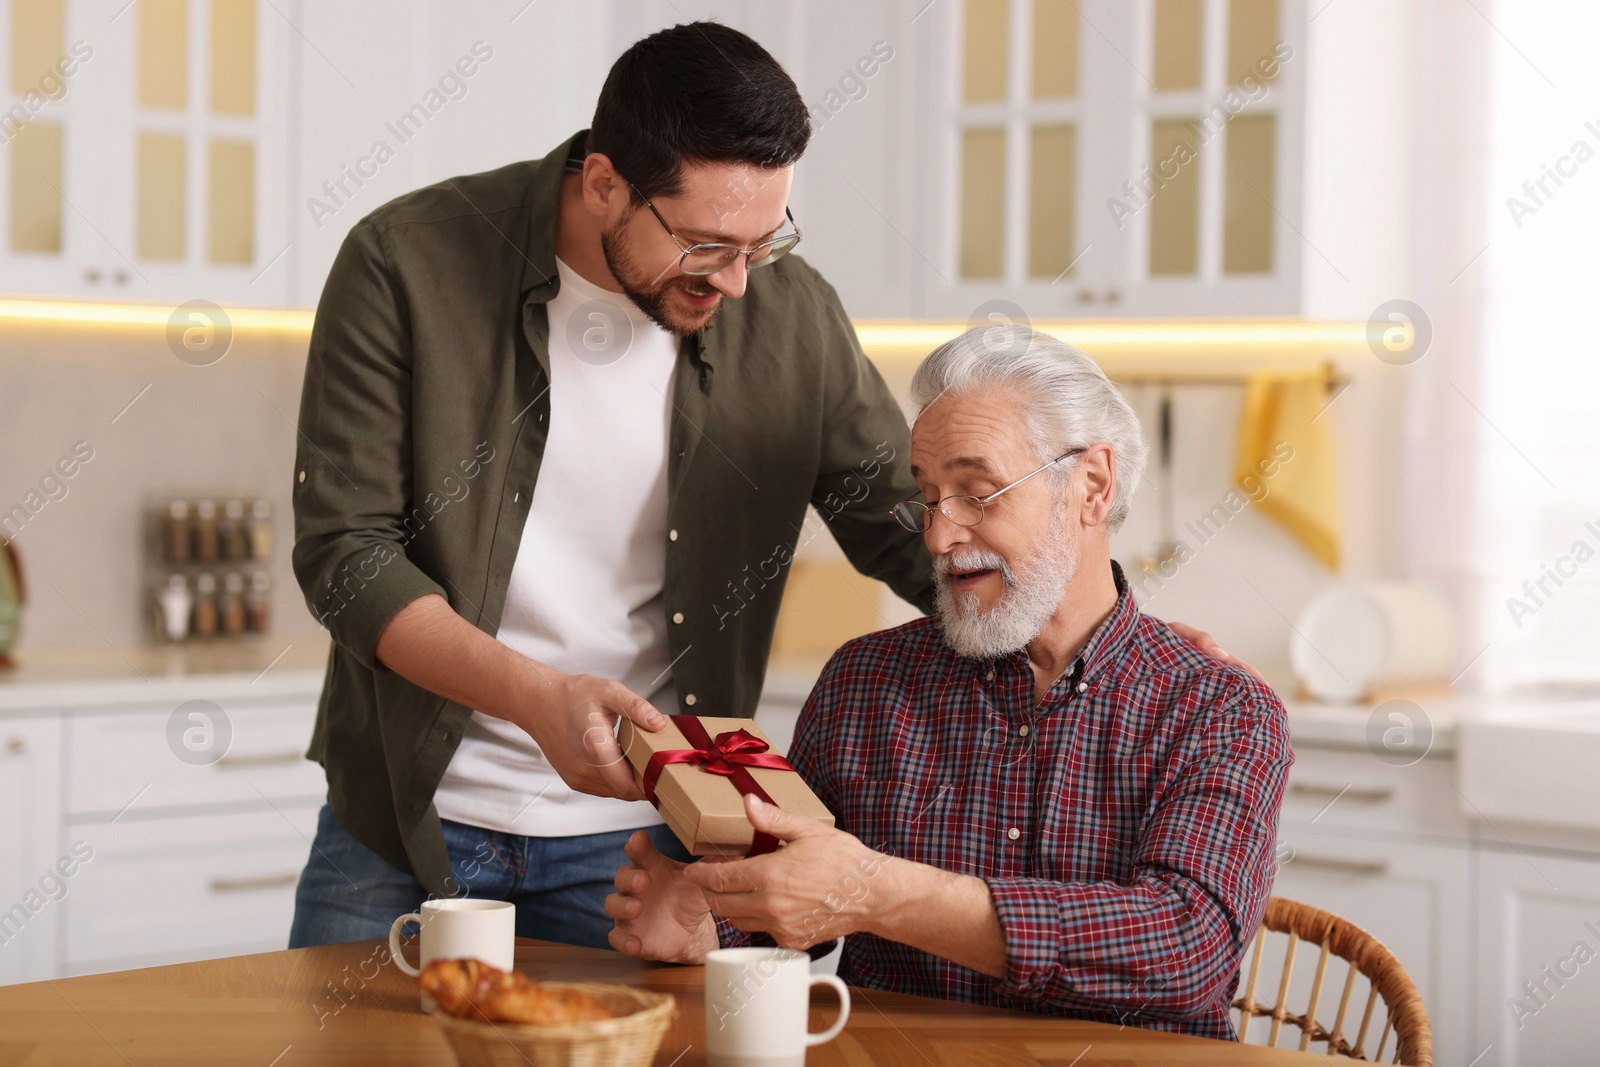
x=1208 y=644
x=573 y=718
x=658 y=913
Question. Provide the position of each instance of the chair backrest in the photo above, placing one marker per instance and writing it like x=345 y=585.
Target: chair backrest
x=1404 y=1015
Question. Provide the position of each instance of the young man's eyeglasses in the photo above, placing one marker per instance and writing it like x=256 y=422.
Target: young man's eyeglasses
x=915 y=516
x=708 y=258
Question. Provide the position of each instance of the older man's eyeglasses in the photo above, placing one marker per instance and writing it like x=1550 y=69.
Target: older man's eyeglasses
x=915 y=515
x=710 y=257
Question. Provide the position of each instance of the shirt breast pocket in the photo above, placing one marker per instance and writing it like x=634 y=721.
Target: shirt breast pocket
x=915 y=820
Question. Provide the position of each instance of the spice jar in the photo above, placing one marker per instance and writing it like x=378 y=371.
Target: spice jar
x=175 y=602
x=205 y=606
x=233 y=532
x=230 y=606
x=258 y=604
x=175 y=531
x=261 y=529
x=205 y=531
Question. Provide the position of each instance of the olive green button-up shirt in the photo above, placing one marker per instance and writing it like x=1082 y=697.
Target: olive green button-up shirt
x=423 y=422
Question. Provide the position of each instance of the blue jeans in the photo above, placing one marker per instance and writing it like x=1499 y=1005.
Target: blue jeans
x=348 y=892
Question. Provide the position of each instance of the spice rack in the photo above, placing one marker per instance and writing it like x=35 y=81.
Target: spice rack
x=207 y=559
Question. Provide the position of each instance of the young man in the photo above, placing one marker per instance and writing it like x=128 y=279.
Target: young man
x=560 y=426
x=1046 y=800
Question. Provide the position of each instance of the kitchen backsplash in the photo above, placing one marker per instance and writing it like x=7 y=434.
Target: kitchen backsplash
x=114 y=407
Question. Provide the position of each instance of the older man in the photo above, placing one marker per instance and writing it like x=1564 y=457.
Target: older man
x=1046 y=800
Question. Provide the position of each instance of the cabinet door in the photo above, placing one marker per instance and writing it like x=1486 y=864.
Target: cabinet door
x=144 y=150
x=1412 y=897
x=171 y=890
x=1538 y=980
x=32 y=887
x=1097 y=158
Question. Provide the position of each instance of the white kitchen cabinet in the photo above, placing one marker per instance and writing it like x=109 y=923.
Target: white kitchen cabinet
x=159 y=170
x=1105 y=158
x=1538 y=966
x=183 y=807
x=32 y=887
x=186 y=888
x=127 y=759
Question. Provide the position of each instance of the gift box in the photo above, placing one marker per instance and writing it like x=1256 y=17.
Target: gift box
x=696 y=771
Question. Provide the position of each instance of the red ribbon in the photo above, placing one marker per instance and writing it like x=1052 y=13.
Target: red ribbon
x=728 y=755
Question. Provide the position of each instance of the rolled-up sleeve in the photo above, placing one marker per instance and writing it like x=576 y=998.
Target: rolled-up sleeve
x=1167 y=942
x=353 y=479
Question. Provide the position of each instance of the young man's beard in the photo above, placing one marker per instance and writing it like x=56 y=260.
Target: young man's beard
x=1030 y=595
x=653 y=301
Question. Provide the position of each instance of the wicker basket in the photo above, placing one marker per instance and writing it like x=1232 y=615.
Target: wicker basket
x=629 y=1040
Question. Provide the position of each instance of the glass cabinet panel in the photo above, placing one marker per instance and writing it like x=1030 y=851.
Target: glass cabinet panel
x=35 y=181
x=1247 y=227
x=983 y=181
x=985 y=48
x=163 y=53
x=1178 y=43
x=1055 y=49
x=1052 y=203
x=1175 y=204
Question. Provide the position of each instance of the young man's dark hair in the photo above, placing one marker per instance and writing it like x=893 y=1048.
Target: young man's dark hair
x=696 y=93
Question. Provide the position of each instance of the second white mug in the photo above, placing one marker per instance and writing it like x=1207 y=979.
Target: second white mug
x=756 y=1007
x=456 y=928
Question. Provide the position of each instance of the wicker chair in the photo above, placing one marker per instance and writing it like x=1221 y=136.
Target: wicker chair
x=1404 y=1013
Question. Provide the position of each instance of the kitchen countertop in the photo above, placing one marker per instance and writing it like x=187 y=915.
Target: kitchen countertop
x=49 y=679
x=53 y=678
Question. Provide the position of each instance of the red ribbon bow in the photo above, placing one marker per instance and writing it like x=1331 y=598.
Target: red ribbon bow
x=728 y=755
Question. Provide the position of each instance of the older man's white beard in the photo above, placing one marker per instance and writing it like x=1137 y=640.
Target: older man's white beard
x=1032 y=593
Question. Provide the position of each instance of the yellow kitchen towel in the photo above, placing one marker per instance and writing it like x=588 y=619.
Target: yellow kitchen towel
x=1286 y=460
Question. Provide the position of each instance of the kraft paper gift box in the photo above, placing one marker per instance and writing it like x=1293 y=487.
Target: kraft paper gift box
x=706 y=810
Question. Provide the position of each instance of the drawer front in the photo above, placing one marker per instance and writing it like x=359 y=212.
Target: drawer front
x=1336 y=789
x=185 y=888
x=185 y=756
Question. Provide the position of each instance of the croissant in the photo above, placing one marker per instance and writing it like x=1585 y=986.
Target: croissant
x=471 y=989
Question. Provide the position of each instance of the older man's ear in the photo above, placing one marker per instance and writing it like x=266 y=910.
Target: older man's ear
x=1097 y=469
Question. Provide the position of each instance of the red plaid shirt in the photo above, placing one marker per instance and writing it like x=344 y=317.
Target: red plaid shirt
x=1124 y=826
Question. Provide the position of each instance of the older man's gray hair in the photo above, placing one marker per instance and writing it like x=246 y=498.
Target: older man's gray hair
x=1068 y=401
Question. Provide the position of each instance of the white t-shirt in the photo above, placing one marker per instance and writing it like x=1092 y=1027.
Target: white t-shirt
x=585 y=595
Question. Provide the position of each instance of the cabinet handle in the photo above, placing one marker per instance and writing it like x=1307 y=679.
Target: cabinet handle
x=1374 y=794
x=291 y=756
x=1370 y=868
x=16 y=746
x=242 y=885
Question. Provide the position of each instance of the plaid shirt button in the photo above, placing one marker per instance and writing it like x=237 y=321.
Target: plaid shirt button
x=1013 y=833
x=1023 y=731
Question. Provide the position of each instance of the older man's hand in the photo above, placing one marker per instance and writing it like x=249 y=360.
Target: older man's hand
x=818 y=886
x=659 y=914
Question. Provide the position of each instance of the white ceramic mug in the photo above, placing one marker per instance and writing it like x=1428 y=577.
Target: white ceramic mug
x=756 y=1001
x=455 y=928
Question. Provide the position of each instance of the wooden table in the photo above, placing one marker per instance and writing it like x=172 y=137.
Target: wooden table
x=349 y=1004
